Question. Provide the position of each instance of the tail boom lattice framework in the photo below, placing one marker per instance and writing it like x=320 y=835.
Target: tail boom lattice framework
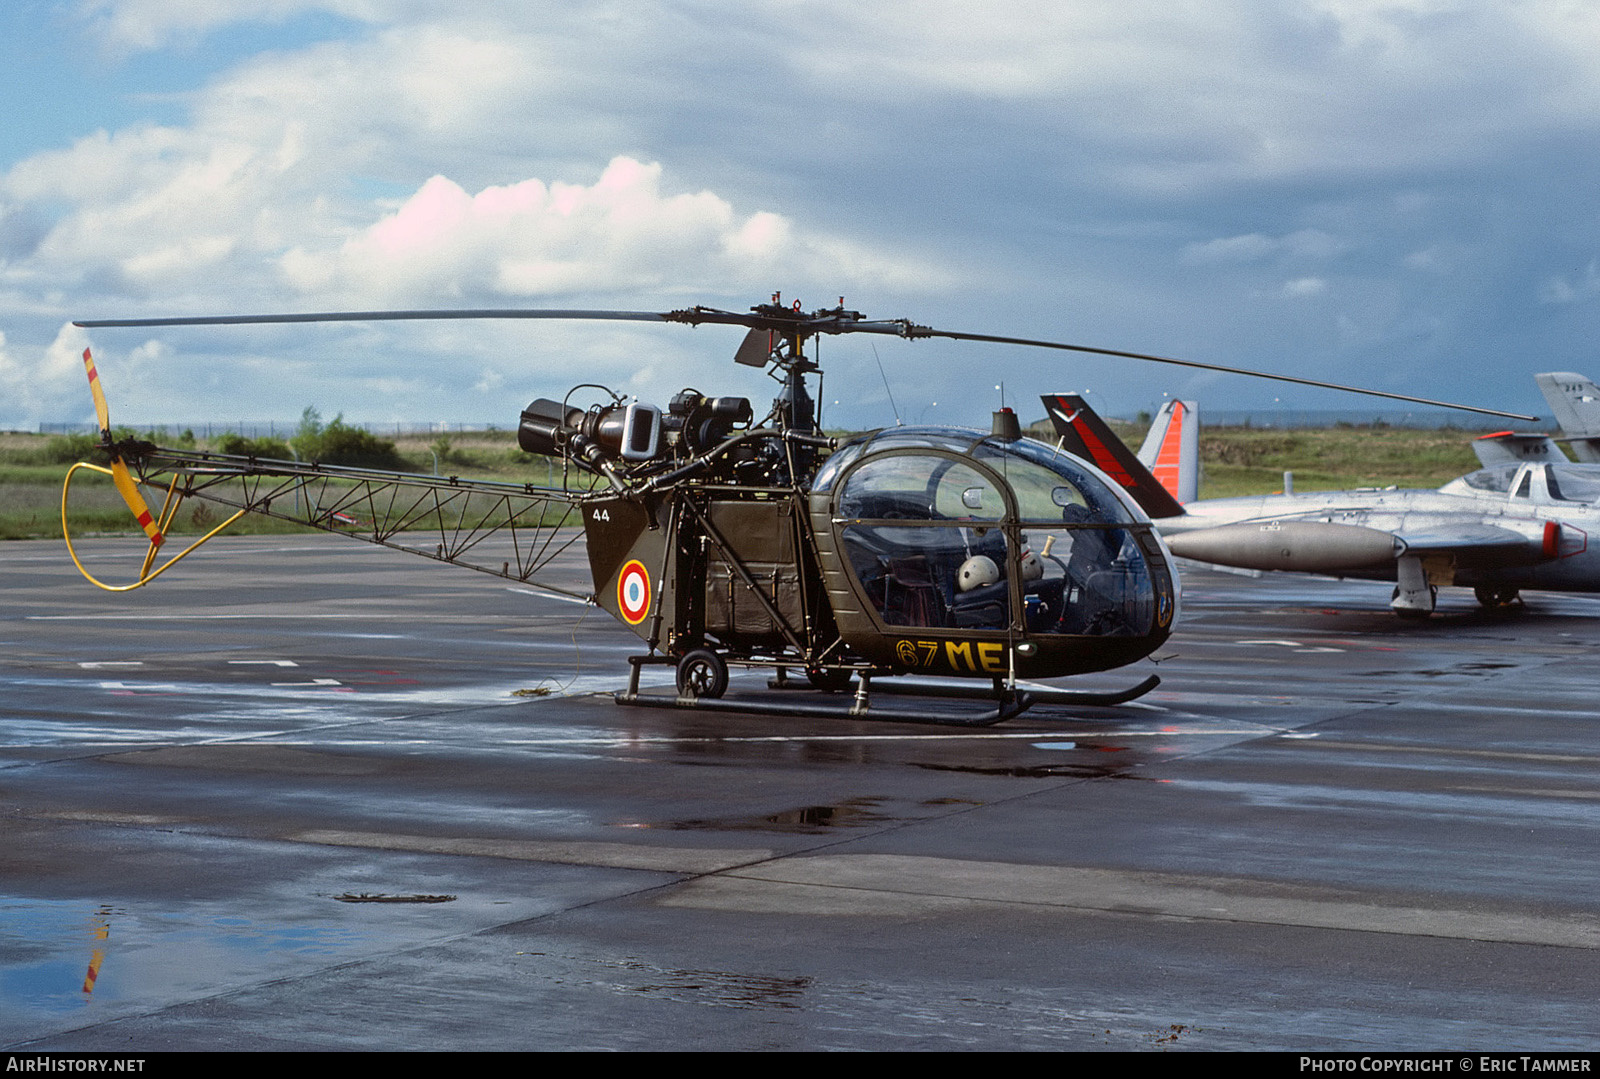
x=510 y=530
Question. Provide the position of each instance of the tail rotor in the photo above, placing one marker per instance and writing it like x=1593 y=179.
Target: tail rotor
x=120 y=474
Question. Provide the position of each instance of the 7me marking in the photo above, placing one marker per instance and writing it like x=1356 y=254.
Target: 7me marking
x=988 y=656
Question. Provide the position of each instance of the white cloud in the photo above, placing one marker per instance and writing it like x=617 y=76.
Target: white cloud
x=532 y=239
x=1175 y=99
x=1305 y=286
x=1028 y=167
x=133 y=25
x=1564 y=289
x=252 y=204
x=44 y=383
x=1305 y=244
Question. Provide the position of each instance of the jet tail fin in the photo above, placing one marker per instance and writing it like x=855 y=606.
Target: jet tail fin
x=1084 y=434
x=1510 y=447
x=1575 y=402
x=1171 y=450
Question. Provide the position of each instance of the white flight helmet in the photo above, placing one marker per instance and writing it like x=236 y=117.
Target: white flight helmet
x=976 y=572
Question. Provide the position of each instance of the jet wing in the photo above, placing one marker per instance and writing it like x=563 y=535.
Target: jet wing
x=1481 y=536
x=1479 y=541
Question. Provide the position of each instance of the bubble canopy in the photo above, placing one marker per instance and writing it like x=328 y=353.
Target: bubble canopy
x=948 y=531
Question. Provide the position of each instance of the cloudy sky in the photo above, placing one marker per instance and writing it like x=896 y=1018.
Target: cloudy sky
x=1398 y=193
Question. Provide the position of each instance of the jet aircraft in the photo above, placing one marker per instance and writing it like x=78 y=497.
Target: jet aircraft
x=1524 y=520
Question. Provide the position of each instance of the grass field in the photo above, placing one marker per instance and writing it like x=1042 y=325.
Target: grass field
x=1234 y=461
x=1249 y=461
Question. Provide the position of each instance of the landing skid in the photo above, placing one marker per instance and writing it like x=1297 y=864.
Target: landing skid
x=1007 y=703
x=999 y=714
x=1034 y=693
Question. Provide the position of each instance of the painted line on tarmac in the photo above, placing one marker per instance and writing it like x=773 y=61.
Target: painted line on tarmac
x=1452 y=751
x=1533 y=792
x=894 y=885
x=889 y=885
x=958 y=736
x=688 y=860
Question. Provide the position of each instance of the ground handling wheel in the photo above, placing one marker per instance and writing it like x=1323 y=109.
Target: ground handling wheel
x=1495 y=595
x=702 y=675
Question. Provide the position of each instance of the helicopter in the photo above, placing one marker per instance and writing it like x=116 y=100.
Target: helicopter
x=722 y=541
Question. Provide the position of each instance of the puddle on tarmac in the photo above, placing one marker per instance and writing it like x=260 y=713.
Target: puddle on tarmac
x=714 y=988
x=1037 y=771
x=61 y=956
x=727 y=989
x=1459 y=668
x=855 y=813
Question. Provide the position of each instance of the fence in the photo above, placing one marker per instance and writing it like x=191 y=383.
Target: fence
x=1426 y=419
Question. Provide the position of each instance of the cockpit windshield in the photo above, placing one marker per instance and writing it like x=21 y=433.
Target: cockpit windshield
x=953 y=529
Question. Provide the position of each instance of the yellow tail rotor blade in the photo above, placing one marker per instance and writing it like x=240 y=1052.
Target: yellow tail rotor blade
x=100 y=410
x=130 y=494
x=119 y=471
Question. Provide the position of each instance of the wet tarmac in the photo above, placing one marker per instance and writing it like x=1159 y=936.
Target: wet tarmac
x=302 y=793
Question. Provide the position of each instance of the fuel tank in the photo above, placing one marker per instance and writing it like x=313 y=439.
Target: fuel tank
x=1306 y=546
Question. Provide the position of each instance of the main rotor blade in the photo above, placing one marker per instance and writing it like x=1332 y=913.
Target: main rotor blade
x=913 y=331
x=774 y=317
x=377 y=316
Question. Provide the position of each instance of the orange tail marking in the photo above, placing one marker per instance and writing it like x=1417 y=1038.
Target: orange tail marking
x=1169 y=455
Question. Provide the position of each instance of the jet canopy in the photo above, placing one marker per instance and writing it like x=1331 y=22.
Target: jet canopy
x=1533 y=481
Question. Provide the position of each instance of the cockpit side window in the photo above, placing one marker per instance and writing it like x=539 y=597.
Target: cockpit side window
x=938 y=578
x=918 y=487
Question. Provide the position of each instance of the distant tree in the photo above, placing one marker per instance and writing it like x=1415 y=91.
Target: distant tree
x=241 y=446
x=307 y=439
x=339 y=443
x=346 y=445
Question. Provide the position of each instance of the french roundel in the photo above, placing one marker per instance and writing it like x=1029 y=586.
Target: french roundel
x=633 y=592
